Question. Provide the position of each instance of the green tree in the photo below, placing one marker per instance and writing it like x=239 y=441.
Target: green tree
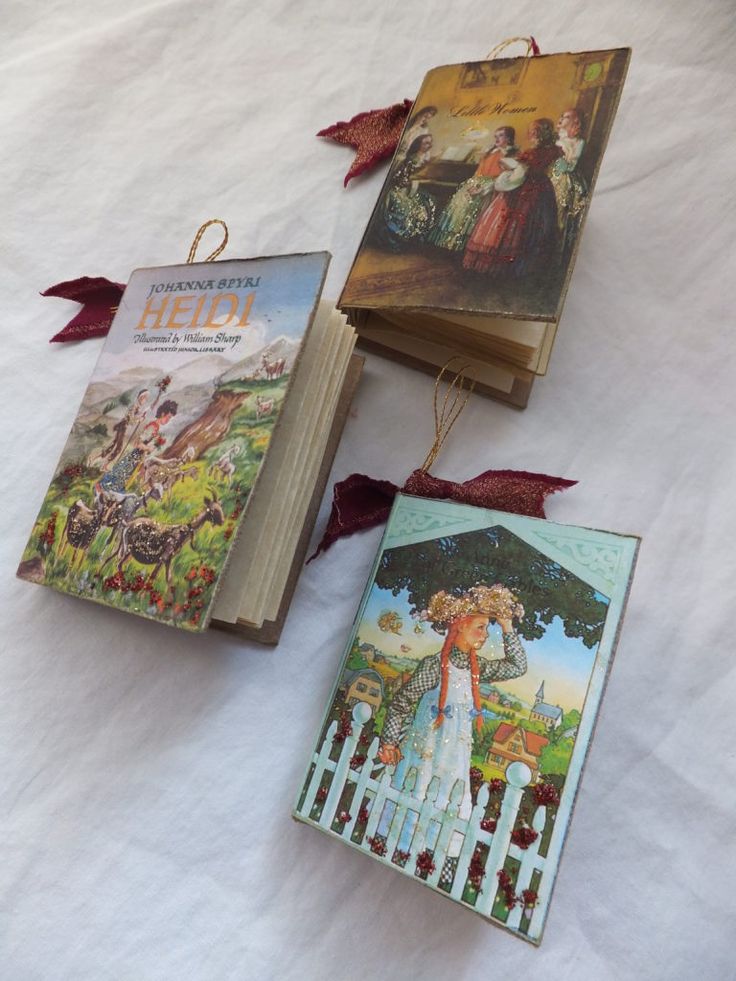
x=570 y=720
x=555 y=758
x=356 y=661
x=125 y=398
x=482 y=740
x=532 y=725
x=457 y=562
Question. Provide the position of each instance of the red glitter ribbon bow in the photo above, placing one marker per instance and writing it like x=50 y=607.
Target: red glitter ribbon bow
x=360 y=501
x=99 y=298
x=373 y=135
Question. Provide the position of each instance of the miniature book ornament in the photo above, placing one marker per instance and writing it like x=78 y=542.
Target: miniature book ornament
x=471 y=244
x=190 y=481
x=454 y=740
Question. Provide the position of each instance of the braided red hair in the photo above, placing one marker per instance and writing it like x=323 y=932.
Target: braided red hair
x=452 y=632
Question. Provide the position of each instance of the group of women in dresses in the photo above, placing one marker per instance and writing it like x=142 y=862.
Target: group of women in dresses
x=520 y=210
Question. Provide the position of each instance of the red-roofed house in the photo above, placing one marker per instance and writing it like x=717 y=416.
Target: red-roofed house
x=512 y=743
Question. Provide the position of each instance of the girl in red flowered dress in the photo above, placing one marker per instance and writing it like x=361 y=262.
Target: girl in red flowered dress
x=518 y=231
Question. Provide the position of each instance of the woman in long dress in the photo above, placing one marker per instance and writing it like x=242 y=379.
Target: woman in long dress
x=408 y=213
x=517 y=233
x=461 y=213
x=571 y=188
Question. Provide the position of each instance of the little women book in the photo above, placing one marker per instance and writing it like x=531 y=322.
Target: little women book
x=470 y=248
x=455 y=736
x=190 y=480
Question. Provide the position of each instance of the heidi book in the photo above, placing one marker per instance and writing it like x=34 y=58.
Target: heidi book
x=455 y=736
x=471 y=245
x=189 y=484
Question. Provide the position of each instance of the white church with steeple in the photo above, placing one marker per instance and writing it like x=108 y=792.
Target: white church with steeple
x=549 y=715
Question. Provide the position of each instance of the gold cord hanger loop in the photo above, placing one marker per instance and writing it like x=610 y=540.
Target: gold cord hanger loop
x=198 y=238
x=446 y=415
x=494 y=52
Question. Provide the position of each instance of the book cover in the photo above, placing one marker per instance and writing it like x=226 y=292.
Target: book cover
x=154 y=481
x=456 y=732
x=483 y=205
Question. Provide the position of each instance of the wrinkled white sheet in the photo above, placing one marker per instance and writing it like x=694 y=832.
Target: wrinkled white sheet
x=147 y=777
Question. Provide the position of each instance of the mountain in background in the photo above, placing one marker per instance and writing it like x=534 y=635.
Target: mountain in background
x=192 y=387
x=283 y=347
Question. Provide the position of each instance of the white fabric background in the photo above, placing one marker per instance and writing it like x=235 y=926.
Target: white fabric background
x=148 y=777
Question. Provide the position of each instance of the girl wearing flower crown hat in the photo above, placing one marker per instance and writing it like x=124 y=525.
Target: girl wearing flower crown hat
x=429 y=723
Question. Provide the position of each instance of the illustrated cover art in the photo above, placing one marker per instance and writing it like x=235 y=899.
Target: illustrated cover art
x=488 y=189
x=458 y=726
x=154 y=480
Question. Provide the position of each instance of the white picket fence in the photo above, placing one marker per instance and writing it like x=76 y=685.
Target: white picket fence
x=430 y=821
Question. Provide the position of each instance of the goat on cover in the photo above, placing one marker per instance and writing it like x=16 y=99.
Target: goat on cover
x=80 y=529
x=153 y=543
x=116 y=513
x=225 y=466
x=263 y=407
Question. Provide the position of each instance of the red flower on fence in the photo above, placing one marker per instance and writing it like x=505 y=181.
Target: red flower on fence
x=476 y=871
x=357 y=761
x=378 y=846
x=523 y=837
x=529 y=898
x=496 y=786
x=344 y=729
x=476 y=780
x=546 y=793
x=344 y=816
x=488 y=824
x=321 y=795
x=363 y=814
x=425 y=865
x=507 y=888
x=401 y=857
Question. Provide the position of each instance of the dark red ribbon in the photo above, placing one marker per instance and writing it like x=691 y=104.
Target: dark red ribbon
x=374 y=135
x=360 y=501
x=99 y=298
